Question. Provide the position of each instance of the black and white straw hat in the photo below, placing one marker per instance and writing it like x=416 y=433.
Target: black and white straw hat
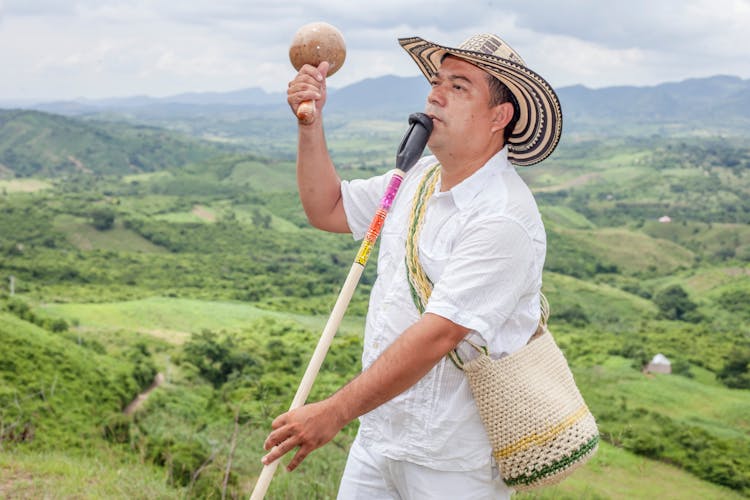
x=539 y=125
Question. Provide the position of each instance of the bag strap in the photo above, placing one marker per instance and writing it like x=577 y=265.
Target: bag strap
x=420 y=284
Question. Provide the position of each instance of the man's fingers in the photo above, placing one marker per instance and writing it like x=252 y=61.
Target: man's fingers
x=279 y=421
x=303 y=84
x=299 y=97
x=280 y=450
x=323 y=69
x=277 y=437
x=302 y=90
x=298 y=458
x=316 y=74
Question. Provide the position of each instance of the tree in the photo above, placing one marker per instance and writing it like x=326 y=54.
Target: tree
x=103 y=218
x=573 y=314
x=674 y=303
x=736 y=371
x=216 y=357
x=736 y=302
x=261 y=220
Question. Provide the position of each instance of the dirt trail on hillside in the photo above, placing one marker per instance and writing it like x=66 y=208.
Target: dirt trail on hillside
x=204 y=213
x=142 y=397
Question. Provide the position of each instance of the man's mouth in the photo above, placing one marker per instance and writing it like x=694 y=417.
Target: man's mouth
x=429 y=111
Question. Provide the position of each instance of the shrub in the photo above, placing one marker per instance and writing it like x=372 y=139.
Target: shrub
x=144 y=368
x=185 y=458
x=57 y=325
x=572 y=314
x=636 y=350
x=116 y=428
x=102 y=218
x=681 y=367
x=736 y=301
x=736 y=371
x=674 y=303
x=216 y=357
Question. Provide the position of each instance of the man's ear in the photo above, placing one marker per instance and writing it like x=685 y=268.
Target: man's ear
x=503 y=116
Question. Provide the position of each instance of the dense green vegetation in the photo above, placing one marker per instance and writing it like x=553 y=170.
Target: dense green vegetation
x=201 y=266
x=33 y=143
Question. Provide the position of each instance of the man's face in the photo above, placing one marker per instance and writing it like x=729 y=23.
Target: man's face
x=459 y=106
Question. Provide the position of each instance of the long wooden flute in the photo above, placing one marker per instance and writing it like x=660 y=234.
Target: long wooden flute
x=410 y=150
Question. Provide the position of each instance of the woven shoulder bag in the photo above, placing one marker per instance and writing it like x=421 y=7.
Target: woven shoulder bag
x=538 y=424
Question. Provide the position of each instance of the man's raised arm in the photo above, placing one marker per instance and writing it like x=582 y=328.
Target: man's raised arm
x=319 y=184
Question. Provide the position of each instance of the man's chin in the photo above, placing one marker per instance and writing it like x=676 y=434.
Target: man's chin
x=434 y=144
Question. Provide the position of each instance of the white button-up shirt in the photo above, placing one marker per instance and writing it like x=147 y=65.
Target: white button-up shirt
x=483 y=246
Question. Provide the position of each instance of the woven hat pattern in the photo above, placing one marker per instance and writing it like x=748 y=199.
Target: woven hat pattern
x=539 y=125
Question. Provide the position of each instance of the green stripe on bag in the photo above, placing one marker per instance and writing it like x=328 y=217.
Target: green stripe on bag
x=555 y=467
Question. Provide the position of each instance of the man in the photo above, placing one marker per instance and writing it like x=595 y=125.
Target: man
x=482 y=245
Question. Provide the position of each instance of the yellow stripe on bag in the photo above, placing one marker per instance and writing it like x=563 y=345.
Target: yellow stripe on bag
x=541 y=438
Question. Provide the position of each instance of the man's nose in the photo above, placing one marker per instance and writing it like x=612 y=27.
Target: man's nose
x=435 y=96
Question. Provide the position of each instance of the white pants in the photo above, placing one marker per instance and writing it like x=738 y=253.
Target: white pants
x=371 y=476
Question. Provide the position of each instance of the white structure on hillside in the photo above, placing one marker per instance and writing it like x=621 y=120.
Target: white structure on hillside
x=660 y=364
x=664 y=219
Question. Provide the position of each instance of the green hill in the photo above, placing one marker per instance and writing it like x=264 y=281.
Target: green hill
x=33 y=143
x=631 y=252
x=205 y=268
x=62 y=474
x=84 y=236
x=174 y=319
x=714 y=239
x=612 y=386
x=61 y=397
x=55 y=392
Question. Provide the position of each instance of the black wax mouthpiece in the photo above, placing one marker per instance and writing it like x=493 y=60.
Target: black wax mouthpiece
x=413 y=144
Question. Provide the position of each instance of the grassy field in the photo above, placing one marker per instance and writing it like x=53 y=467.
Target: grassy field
x=632 y=252
x=23 y=185
x=618 y=475
x=60 y=475
x=601 y=302
x=612 y=474
x=212 y=276
x=681 y=398
x=565 y=216
x=709 y=283
x=84 y=237
x=174 y=319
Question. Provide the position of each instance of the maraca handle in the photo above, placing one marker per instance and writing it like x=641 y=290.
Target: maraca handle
x=306 y=111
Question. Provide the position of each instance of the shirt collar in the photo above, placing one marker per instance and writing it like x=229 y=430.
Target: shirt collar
x=467 y=189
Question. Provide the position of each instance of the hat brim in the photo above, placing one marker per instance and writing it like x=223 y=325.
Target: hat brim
x=539 y=126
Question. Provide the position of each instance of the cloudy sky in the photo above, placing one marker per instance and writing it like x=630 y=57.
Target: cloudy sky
x=62 y=49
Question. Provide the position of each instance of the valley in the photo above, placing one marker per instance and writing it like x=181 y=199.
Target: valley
x=136 y=250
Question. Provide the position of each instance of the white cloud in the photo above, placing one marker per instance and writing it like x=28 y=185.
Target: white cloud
x=100 y=48
x=39 y=7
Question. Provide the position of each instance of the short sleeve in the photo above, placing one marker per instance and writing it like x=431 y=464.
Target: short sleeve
x=491 y=267
x=361 y=198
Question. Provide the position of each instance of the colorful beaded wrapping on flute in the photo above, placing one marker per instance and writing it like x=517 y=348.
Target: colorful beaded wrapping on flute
x=379 y=219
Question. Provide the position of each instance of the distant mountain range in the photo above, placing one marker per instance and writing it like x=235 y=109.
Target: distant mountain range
x=713 y=105
x=720 y=104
